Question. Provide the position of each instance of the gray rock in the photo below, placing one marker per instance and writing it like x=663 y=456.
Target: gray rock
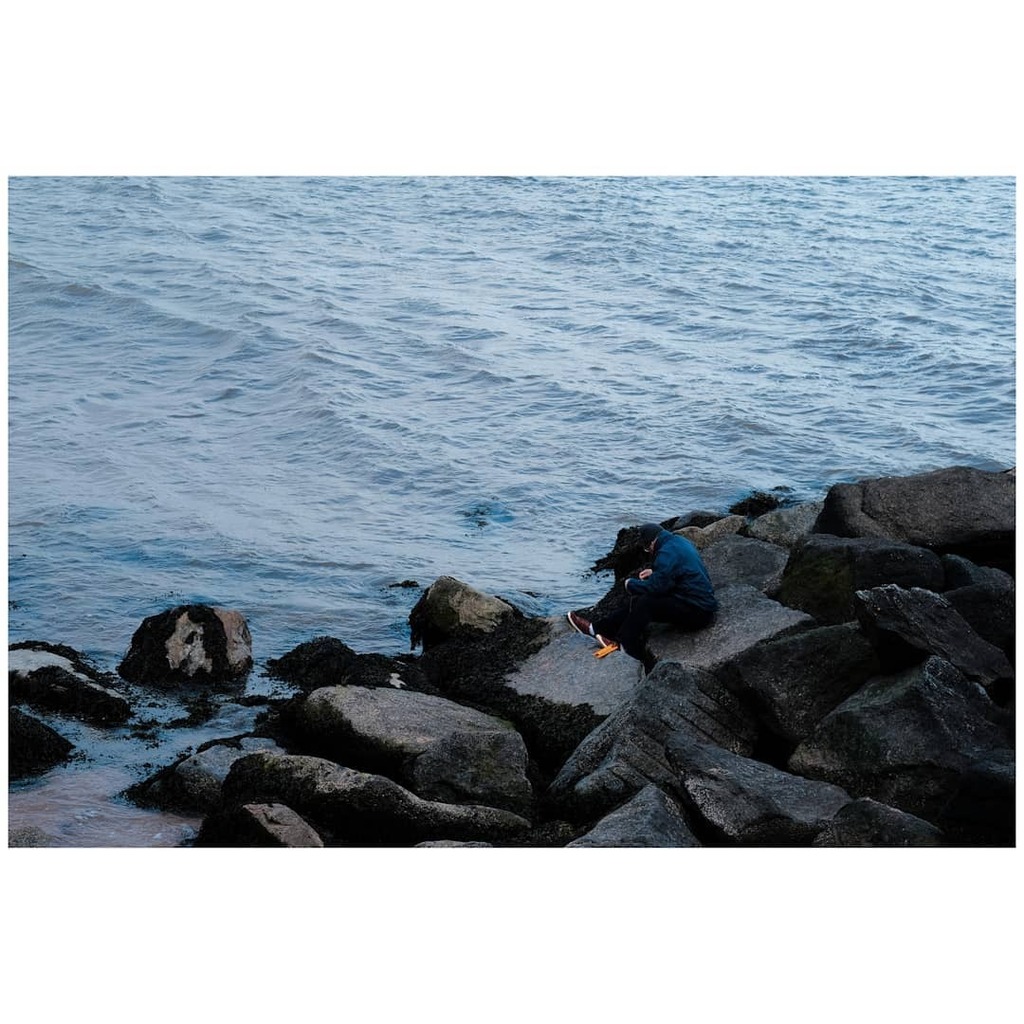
x=785 y=526
x=438 y=748
x=747 y=802
x=189 y=645
x=744 y=560
x=959 y=510
x=824 y=572
x=866 y=822
x=32 y=746
x=359 y=808
x=195 y=783
x=793 y=682
x=449 y=606
x=259 y=825
x=908 y=739
x=56 y=678
x=649 y=819
x=745 y=617
x=906 y=625
x=626 y=752
x=565 y=671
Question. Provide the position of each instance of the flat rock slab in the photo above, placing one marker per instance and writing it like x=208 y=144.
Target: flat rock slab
x=745 y=617
x=565 y=671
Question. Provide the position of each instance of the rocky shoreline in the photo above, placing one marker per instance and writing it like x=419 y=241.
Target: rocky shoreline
x=856 y=689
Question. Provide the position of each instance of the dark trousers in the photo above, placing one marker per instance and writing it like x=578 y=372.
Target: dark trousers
x=626 y=626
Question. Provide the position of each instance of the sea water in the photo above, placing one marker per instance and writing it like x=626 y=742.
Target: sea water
x=288 y=395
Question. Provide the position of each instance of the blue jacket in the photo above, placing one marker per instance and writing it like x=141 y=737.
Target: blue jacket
x=678 y=572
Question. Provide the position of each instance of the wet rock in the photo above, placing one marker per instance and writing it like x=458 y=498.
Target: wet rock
x=906 y=626
x=743 y=560
x=649 y=819
x=32 y=746
x=824 y=572
x=258 y=825
x=785 y=526
x=747 y=802
x=193 y=783
x=756 y=504
x=53 y=677
x=959 y=510
x=189 y=645
x=449 y=607
x=791 y=683
x=745 y=617
x=866 y=822
x=358 y=808
x=326 y=661
x=322 y=661
x=909 y=739
x=441 y=750
x=626 y=752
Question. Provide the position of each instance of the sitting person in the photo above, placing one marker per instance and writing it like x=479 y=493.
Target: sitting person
x=676 y=590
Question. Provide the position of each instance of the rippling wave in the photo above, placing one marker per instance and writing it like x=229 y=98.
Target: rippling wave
x=285 y=395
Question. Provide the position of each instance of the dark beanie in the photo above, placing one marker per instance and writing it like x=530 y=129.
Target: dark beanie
x=648 y=532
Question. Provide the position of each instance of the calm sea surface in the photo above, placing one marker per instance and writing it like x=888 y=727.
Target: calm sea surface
x=287 y=395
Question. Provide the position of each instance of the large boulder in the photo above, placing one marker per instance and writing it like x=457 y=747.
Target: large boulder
x=909 y=739
x=906 y=626
x=960 y=510
x=53 y=677
x=745 y=617
x=736 y=559
x=195 y=645
x=258 y=825
x=192 y=784
x=439 y=749
x=449 y=607
x=794 y=681
x=866 y=822
x=747 y=802
x=626 y=752
x=32 y=746
x=649 y=819
x=784 y=526
x=824 y=572
x=352 y=808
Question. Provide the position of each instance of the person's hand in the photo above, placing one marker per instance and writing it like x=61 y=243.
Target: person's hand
x=644 y=573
